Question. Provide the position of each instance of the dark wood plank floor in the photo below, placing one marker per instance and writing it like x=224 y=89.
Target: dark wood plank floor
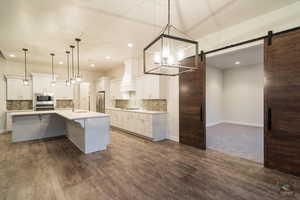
x=132 y=168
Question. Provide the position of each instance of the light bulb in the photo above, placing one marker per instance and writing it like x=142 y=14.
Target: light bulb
x=68 y=83
x=53 y=83
x=25 y=82
x=73 y=81
x=166 y=52
x=156 y=58
x=78 y=78
x=170 y=60
x=180 y=55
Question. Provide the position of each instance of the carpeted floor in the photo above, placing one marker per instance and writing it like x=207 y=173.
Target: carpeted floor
x=236 y=140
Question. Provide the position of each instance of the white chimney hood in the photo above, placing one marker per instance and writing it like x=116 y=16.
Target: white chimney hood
x=130 y=71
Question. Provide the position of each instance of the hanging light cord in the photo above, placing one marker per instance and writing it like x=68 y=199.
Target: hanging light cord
x=77 y=40
x=169 y=16
x=68 y=64
x=72 y=52
x=25 y=51
x=52 y=54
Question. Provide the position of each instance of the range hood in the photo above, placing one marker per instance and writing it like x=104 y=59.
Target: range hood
x=130 y=71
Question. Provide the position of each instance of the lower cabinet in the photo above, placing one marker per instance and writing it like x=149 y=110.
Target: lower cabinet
x=32 y=127
x=149 y=125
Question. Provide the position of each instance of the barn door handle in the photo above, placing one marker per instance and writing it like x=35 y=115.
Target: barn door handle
x=269 y=119
x=201 y=113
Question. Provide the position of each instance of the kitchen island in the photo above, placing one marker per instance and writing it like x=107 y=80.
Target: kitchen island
x=89 y=131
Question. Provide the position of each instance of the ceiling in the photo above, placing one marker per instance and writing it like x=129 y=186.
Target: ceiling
x=248 y=56
x=107 y=26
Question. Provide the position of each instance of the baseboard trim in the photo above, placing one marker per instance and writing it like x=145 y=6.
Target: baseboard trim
x=244 y=124
x=174 y=138
x=213 y=124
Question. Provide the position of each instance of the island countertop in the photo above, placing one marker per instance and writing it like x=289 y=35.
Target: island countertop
x=68 y=114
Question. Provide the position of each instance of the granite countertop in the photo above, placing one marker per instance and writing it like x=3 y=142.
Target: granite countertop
x=138 y=111
x=78 y=114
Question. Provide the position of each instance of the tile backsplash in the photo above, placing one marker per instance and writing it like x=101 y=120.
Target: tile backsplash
x=150 y=104
x=19 y=104
x=63 y=103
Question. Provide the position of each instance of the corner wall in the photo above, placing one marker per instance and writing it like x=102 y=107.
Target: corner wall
x=235 y=95
x=214 y=96
x=243 y=95
x=2 y=96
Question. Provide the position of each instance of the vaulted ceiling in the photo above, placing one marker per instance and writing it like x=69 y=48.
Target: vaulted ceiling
x=107 y=26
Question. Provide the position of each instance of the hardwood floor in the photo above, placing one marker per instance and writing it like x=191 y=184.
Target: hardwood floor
x=132 y=168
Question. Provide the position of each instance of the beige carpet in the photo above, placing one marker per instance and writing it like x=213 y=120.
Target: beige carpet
x=237 y=140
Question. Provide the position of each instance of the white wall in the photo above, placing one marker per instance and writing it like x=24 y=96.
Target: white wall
x=214 y=95
x=17 y=68
x=2 y=96
x=243 y=95
x=173 y=108
x=235 y=95
x=277 y=20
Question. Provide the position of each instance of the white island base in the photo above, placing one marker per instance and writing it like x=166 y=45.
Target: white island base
x=89 y=131
x=89 y=135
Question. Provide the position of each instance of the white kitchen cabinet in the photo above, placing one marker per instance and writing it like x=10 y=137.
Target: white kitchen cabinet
x=147 y=124
x=42 y=83
x=115 y=90
x=102 y=84
x=84 y=96
x=151 y=87
x=62 y=91
x=16 y=90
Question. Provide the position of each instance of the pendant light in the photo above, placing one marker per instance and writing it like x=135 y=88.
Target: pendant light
x=53 y=79
x=78 y=77
x=25 y=81
x=73 y=71
x=164 y=55
x=68 y=82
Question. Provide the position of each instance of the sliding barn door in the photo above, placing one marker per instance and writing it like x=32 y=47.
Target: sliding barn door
x=282 y=102
x=192 y=106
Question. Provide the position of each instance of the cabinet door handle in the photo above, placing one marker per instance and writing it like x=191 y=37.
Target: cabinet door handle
x=269 y=118
x=201 y=113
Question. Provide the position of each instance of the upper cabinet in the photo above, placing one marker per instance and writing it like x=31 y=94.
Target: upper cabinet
x=62 y=91
x=115 y=90
x=102 y=84
x=42 y=83
x=151 y=87
x=16 y=90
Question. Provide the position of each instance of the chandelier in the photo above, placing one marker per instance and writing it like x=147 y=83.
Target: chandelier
x=165 y=55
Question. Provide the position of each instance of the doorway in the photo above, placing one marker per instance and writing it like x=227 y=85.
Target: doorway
x=234 y=103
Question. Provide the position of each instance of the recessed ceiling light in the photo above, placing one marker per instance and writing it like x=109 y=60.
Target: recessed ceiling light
x=130 y=45
x=237 y=62
x=12 y=55
x=92 y=65
x=60 y=62
x=107 y=57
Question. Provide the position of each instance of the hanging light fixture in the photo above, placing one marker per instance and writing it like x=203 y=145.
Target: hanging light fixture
x=68 y=82
x=53 y=78
x=78 y=77
x=25 y=81
x=73 y=71
x=164 y=55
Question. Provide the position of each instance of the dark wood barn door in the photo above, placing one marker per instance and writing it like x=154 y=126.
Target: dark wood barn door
x=282 y=102
x=192 y=106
